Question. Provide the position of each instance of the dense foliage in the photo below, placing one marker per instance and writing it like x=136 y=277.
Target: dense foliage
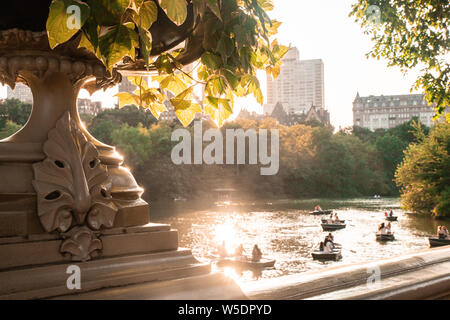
x=412 y=34
x=237 y=39
x=314 y=162
x=424 y=174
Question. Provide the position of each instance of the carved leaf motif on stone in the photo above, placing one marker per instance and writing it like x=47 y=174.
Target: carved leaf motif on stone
x=72 y=185
x=81 y=244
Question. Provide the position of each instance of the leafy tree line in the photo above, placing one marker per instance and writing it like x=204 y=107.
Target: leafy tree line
x=424 y=174
x=314 y=161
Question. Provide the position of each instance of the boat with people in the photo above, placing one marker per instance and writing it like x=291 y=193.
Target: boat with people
x=327 y=250
x=333 y=226
x=438 y=242
x=246 y=263
x=441 y=239
x=321 y=212
x=393 y=218
x=318 y=211
x=239 y=260
x=390 y=216
x=384 y=232
x=338 y=221
x=334 y=255
x=384 y=236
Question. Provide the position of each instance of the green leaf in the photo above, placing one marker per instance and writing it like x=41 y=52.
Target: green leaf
x=218 y=109
x=176 y=10
x=225 y=48
x=65 y=18
x=213 y=5
x=117 y=42
x=145 y=45
x=108 y=12
x=185 y=110
x=211 y=60
x=148 y=14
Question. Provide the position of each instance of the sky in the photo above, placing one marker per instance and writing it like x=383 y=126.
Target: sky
x=321 y=29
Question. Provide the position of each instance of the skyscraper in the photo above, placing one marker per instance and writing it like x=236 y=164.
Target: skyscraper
x=299 y=86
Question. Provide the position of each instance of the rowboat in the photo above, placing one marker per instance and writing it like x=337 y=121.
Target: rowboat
x=317 y=213
x=333 y=226
x=436 y=242
x=326 y=221
x=393 y=218
x=246 y=263
x=321 y=255
x=384 y=236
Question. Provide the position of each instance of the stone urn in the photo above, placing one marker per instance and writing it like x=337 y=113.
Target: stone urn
x=65 y=198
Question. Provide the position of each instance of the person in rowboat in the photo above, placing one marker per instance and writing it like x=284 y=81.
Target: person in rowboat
x=330 y=236
x=328 y=243
x=256 y=254
x=382 y=228
x=330 y=218
x=391 y=213
x=442 y=232
x=317 y=208
x=388 y=228
x=321 y=247
x=447 y=236
x=336 y=218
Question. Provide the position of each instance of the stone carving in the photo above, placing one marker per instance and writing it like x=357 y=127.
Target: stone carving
x=81 y=244
x=72 y=186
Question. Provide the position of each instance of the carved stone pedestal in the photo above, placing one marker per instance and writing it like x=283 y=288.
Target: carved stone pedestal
x=66 y=200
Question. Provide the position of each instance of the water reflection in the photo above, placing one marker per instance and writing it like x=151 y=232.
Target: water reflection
x=286 y=232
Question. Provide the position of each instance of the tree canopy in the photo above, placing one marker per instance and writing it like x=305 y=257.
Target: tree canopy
x=410 y=34
x=424 y=174
x=237 y=41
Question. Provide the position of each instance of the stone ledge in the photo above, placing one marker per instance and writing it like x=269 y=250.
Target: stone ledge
x=213 y=286
x=145 y=239
x=317 y=283
x=50 y=281
x=426 y=283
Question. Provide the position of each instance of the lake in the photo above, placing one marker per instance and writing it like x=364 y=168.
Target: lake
x=285 y=231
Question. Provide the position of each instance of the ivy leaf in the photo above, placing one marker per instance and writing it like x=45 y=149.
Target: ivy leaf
x=152 y=100
x=148 y=14
x=108 y=12
x=225 y=48
x=126 y=98
x=174 y=84
x=65 y=18
x=211 y=60
x=218 y=109
x=176 y=10
x=251 y=83
x=145 y=45
x=185 y=110
x=213 y=5
x=157 y=108
x=118 y=42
